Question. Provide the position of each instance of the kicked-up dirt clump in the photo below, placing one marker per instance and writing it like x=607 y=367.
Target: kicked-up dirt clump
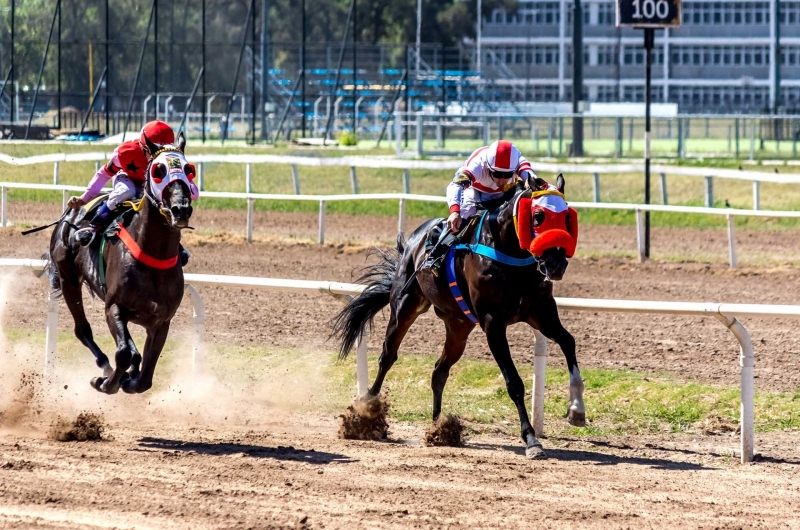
x=365 y=419
x=23 y=404
x=88 y=426
x=447 y=431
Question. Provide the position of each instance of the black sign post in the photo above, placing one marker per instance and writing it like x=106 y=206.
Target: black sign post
x=648 y=15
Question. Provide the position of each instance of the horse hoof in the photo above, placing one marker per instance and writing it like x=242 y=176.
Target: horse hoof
x=128 y=386
x=576 y=419
x=535 y=452
x=97 y=383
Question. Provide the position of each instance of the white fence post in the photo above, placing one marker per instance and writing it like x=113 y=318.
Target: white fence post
x=539 y=368
x=406 y=180
x=248 y=178
x=731 y=242
x=596 y=187
x=747 y=366
x=362 y=367
x=321 y=236
x=200 y=176
x=401 y=217
x=353 y=179
x=55 y=173
x=250 y=215
x=4 y=207
x=664 y=199
x=198 y=331
x=756 y=195
x=64 y=200
x=709 y=192
x=640 y=234
x=51 y=336
x=295 y=179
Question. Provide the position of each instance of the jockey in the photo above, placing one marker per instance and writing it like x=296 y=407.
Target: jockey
x=127 y=167
x=486 y=176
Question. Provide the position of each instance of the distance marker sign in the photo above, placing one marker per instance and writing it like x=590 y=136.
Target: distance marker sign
x=648 y=13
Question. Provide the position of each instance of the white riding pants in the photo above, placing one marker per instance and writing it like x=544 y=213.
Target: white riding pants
x=125 y=189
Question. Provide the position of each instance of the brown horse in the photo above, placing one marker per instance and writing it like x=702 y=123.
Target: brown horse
x=496 y=294
x=143 y=278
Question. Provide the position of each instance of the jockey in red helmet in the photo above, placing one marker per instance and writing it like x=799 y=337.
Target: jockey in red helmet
x=486 y=176
x=127 y=167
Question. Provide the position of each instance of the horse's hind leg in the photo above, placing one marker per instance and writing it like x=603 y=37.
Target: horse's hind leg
x=404 y=311
x=152 y=350
x=454 y=344
x=118 y=326
x=71 y=290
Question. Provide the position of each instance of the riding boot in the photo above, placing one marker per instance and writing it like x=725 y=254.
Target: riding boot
x=438 y=251
x=183 y=255
x=99 y=222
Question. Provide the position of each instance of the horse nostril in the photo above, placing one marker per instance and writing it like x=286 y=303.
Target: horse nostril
x=176 y=211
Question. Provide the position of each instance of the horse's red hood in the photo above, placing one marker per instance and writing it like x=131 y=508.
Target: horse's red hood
x=544 y=221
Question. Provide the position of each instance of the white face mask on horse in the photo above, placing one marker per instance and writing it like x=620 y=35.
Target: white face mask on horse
x=169 y=165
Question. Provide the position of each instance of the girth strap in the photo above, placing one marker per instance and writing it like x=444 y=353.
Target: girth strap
x=450 y=266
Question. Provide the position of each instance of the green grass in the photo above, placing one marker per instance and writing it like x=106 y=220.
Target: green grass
x=617 y=401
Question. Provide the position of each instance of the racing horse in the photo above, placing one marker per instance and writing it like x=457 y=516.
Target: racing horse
x=502 y=278
x=134 y=268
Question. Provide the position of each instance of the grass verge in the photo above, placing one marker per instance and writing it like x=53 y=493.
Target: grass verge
x=617 y=401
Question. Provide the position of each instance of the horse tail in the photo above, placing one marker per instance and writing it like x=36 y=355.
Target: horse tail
x=52 y=274
x=357 y=316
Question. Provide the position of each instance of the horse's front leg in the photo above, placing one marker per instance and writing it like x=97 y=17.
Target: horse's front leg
x=156 y=337
x=550 y=325
x=118 y=325
x=498 y=344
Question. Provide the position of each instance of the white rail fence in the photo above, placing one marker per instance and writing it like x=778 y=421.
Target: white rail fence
x=402 y=198
x=354 y=162
x=727 y=314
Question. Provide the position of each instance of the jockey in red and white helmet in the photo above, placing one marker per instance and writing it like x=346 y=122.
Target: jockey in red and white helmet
x=488 y=173
x=127 y=167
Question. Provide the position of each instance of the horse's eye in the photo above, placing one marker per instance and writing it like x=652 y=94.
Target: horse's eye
x=158 y=172
x=538 y=217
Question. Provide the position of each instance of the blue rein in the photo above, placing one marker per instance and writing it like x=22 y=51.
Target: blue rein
x=493 y=253
x=482 y=250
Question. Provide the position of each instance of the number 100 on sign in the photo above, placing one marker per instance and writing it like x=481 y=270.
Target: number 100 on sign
x=649 y=13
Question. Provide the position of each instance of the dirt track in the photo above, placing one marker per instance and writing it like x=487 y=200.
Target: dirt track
x=183 y=465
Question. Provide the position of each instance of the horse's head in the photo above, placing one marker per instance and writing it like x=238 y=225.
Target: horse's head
x=546 y=226
x=170 y=182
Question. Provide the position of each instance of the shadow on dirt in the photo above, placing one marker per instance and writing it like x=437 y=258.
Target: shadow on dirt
x=599 y=459
x=280 y=452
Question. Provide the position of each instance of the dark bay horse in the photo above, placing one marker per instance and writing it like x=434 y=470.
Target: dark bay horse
x=143 y=277
x=497 y=294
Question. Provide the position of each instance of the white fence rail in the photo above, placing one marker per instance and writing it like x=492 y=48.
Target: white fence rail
x=353 y=162
x=323 y=200
x=727 y=314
